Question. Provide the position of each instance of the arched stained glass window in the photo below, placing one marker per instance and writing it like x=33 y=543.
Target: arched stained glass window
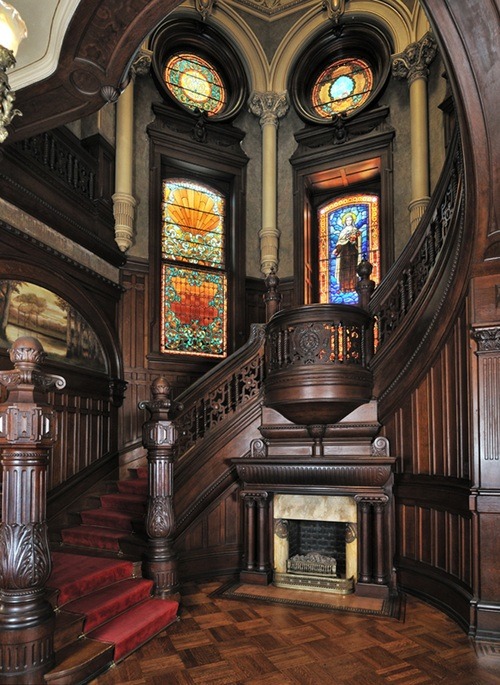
x=343 y=86
x=194 y=281
x=348 y=232
x=195 y=83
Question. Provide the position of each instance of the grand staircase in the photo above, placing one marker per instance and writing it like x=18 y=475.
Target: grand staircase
x=104 y=608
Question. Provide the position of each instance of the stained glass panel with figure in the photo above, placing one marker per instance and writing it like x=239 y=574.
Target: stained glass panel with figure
x=348 y=233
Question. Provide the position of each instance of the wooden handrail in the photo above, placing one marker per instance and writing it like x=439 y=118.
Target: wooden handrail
x=222 y=391
x=420 y=293
x=411 y=273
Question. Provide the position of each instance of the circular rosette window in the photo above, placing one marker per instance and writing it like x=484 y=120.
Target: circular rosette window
x=195 y=83
x=342 y=87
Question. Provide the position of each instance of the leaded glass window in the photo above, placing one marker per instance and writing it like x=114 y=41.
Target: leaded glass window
x=194 y=281
x=348 y=233
x=342 y=87
x=195 y=83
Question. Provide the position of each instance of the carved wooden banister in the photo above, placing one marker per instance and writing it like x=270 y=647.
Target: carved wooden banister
x=417 y=301
x=158 y=437
x=27 y=432
x=222 y=391
x=411 y=273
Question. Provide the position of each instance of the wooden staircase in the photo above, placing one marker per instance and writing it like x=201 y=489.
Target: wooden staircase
x=104 y=607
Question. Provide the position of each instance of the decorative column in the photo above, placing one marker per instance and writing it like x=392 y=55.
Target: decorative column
x=257 y=568
x=124 y=202
x=27 y=432
x=159 y=437
x=269 y=107
x=412 y=64
x=374 y=542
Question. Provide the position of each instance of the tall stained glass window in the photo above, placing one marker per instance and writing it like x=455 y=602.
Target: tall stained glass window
x=343 y=86
x=194 y=281
x=195 y=83
x=348 y=232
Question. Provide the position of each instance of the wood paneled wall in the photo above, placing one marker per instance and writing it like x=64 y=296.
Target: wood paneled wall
x=434 y=525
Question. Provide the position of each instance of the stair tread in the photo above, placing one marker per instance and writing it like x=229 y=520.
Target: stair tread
x=110 y=601
x=77 y=574
x=119 y=518
x=84 y=657
x=137 y=625
x=98 y=530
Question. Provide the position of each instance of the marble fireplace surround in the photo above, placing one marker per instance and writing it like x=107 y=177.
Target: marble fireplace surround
x=312 y=508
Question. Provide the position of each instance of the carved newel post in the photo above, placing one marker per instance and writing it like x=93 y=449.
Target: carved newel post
x=158 y=437
x=272 y=297
x=27 y=432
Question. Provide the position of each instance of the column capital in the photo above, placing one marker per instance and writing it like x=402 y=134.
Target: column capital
x=268 y=106
x=487 y=339
x=412 y=64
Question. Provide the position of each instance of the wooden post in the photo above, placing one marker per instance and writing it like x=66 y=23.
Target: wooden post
x=27 y=432
x=159 y=437
x=272 y=297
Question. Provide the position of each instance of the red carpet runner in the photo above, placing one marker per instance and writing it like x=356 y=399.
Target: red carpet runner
x=118 y=608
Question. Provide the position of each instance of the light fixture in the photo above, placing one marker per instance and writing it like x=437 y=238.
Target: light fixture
x=12 y=31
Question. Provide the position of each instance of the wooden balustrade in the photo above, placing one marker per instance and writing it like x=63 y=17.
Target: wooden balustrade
x=317 y=362
x=27 y=432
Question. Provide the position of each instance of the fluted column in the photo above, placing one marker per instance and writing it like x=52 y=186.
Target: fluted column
x=365 y=541
x=27 y=432
x=412 y=64
x=269 y=107
x=159 y=437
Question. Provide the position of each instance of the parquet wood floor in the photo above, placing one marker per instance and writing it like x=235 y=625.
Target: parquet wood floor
x=226 y=642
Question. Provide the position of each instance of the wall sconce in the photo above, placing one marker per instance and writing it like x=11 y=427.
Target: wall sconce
x=12 y=31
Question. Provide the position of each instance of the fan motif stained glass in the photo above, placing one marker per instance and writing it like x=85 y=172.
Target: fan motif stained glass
x=348 y=233
x=195 y=83
x=194 y=283
x=342 y=87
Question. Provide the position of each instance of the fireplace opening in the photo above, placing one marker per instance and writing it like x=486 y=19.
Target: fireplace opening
x=317 y=547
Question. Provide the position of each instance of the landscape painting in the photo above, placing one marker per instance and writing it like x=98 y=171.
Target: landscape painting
x=28 y=309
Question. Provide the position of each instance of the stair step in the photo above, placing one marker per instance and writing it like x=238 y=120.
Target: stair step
x=93 y=536
x=80 y=661
x=134 y=504
x=135 y=486
x=107 y=518
x=68 y=628
x=137 y=625
x=75 y=575
x=139 y=472
x=108 y=602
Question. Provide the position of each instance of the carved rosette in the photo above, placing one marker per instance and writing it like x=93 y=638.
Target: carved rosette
x=160 y=517
x=413 y=62
x=25 y=562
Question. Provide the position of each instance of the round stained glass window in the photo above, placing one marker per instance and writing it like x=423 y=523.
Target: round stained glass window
x=195 y=83
x=343 y=86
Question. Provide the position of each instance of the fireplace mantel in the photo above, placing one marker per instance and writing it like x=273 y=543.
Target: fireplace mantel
x=342 y=460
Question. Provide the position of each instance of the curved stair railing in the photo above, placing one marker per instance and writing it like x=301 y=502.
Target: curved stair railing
x=409 y=304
